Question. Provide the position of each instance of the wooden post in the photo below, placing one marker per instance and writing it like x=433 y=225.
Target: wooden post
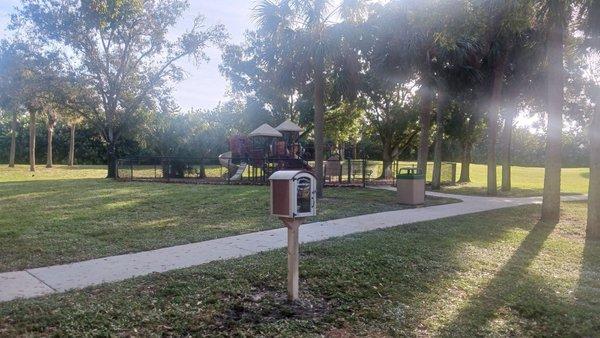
x=293 y=226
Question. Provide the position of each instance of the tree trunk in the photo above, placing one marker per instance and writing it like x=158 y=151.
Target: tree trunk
x=13 y=141
x=50 y=129
x=492 y=121
x=32 y=132
x=593 y=221
x=465 y=167
x=555 y=101
x=436 y=177
x=72 y=146
x=111 y=154
x=506 y=150
x=319 y=106
x=387 y=161
x=425 y=124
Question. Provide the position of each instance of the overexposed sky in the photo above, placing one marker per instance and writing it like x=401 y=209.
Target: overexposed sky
x=204 y=86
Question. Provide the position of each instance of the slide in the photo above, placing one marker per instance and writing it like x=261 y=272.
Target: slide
x=237 y=170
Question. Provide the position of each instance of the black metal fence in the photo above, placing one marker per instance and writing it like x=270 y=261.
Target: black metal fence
x=355 y=172
x=159 y=168
x=448 y=171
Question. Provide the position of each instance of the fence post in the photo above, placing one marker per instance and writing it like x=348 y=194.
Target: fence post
x=131 y=168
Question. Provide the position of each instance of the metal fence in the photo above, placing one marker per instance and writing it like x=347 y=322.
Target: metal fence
x=448 y=171
x=166 y=168
x=354 y=172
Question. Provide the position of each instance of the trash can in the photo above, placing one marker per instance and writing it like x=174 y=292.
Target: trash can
x=410 y=186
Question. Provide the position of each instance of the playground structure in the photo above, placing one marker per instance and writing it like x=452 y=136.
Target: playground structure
x=264 y=151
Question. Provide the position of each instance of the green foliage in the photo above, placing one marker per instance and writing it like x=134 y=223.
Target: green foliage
x=120 y=54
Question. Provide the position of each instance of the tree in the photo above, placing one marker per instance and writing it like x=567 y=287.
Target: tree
x=29 y=79
x=556 y=14
x=593 y=221
x=11 y=78
x=502 y=21
x=507 y=130
x=403 y=37
x=523 y=77
x=416 y=38
x=342 y=124
x=436 y=178
x=392 y=114
x=589 y=24
x=305 y=34
x=259 y=72
x=52 y=118
x=465 y=125
x=121 y=51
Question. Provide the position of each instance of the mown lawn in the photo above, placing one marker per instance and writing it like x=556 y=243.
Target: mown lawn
x=526 y=181
x=63 y=215
x=499 y=273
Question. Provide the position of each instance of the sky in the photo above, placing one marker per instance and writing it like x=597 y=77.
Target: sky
x=204 y=87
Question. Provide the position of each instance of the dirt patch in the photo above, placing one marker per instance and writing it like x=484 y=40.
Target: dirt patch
x=264 y=306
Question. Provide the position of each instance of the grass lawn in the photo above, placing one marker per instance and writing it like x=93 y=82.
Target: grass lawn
x=526 y=181
x=63 y=215
x=499 y=273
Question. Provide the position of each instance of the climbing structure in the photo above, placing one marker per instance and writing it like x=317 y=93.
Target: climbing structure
x=264 y=151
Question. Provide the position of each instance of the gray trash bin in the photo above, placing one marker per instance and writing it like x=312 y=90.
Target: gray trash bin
x=410 y=186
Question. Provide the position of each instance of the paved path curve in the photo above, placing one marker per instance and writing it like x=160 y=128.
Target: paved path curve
x=59 y=278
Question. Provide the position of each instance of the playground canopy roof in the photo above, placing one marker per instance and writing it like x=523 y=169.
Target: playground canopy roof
x=288 y=125
x=265 y=130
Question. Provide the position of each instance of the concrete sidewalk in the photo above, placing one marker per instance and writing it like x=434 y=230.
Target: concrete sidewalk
x=59 y=278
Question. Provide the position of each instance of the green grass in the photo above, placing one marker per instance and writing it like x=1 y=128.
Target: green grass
x=63 y=215
x=526 y=181
x=499 y=273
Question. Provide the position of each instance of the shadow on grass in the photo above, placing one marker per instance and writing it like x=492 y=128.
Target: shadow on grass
x=588 y=287
x=482 y=309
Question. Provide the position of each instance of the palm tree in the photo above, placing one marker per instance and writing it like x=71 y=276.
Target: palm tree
x=555 y=14
x=52 y=118
x=303 y=32
x=436 y=179
x=593 y=221
x=589 y=24
x=13 y=141
x=503 y=21
x=457 y=69
x=506 y=147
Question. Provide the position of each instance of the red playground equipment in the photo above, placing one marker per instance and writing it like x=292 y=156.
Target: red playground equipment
x=264 y=151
